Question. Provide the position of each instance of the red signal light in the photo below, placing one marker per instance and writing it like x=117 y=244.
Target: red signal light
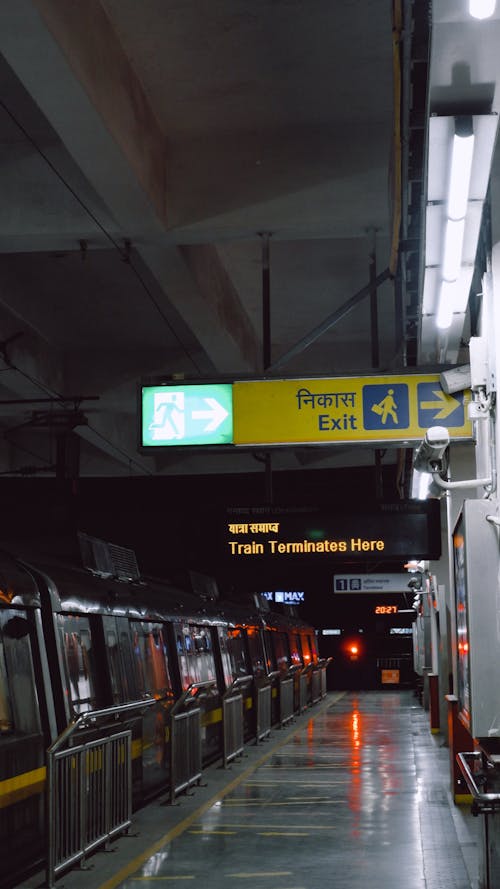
x=352 y=649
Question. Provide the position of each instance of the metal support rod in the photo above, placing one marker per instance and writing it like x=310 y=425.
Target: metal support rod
x=379 y=488
x=329 y=322
x=372 y=270
x=269 y=478
x=266 y=345
x=56 y=400
x=266 y=301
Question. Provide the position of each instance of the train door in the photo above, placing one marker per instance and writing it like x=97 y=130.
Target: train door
x=82 y=688
x=196 y=661
x=297 y=661
x=236 y=665
x=22 y=745
x=150 y=658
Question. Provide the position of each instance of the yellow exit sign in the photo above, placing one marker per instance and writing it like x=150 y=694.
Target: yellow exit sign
x=346 y=409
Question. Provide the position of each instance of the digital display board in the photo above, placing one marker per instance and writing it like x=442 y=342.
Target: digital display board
x=379 y=530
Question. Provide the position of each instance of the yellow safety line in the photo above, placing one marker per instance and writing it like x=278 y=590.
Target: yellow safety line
x=282 y=833
x=183 y=825
x=262 y=873
x=277 y=826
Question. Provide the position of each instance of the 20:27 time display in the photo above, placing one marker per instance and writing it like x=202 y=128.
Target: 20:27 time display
x=386 y=609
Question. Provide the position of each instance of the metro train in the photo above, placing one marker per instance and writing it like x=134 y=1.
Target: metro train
x=73 y=641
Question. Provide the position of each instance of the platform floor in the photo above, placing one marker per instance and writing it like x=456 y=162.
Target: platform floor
x=354 y=794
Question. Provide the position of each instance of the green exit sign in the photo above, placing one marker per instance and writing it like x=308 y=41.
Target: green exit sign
x=186 y=415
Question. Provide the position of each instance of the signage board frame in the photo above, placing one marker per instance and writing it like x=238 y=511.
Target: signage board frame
x=389 y=410
x=356 y=584
x=327 y=536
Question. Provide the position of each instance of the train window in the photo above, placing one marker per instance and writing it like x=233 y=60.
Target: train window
x=269 y=652
x=280 y=645
x=234 y=658
x=19 y=710
x=306 y=650
x=295 y=649
x=255 y=648
x=314 y=648
x=117 y=647
x=197 y=664
x=81 y=670
x=6 y=724
x=151 y=658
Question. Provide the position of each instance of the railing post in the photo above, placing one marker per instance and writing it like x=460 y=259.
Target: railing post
x=262 y=719
x=190 y=721
x=75 y=776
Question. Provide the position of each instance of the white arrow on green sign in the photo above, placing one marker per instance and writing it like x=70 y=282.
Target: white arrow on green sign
x=187 y=415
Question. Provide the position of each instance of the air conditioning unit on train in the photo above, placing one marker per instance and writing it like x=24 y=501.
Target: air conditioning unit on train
x=107 y=559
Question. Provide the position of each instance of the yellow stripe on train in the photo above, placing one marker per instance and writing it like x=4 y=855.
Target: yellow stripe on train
x=13 y=790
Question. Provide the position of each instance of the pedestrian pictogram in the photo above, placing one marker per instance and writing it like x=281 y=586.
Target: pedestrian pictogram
x=385 y=406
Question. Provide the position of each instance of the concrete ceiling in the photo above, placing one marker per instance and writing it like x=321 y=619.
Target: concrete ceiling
x=150 y=150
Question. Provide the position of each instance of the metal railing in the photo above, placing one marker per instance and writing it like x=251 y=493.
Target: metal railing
x=287 y=711
x=303 y=690
x=89 y=790
x=323 y=664
x=232 y=720
x=316 y=686
x=263 y=712
x=185 y=739
x=483 y=803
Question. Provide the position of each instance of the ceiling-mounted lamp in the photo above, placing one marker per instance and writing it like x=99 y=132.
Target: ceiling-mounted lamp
x=459 y=157
x=482 y=9
x=446 y=301
x=462 y=151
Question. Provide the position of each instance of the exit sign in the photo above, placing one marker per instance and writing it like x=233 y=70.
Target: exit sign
x=187 y=414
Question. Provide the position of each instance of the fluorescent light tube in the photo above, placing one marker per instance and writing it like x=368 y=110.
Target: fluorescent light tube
x=452 y=253
x=481 y=9
x=445 y=304
x=461 y=165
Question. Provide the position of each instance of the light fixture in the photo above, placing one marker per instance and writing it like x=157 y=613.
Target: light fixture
x=452 y=253
x=459 y=156
x=446 y=301
x=461 y=166
x=456 y=208
x=482 y=9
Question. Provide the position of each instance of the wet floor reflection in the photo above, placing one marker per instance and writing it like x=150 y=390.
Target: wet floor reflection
x=337 y=804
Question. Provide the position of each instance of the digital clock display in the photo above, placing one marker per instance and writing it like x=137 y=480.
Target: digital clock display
x=386 y=609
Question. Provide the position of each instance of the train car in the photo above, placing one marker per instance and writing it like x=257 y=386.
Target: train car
x=76 y=642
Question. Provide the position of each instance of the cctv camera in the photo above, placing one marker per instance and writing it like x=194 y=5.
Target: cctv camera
x=429 y=454
x=456 y=379
x=415 y=583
